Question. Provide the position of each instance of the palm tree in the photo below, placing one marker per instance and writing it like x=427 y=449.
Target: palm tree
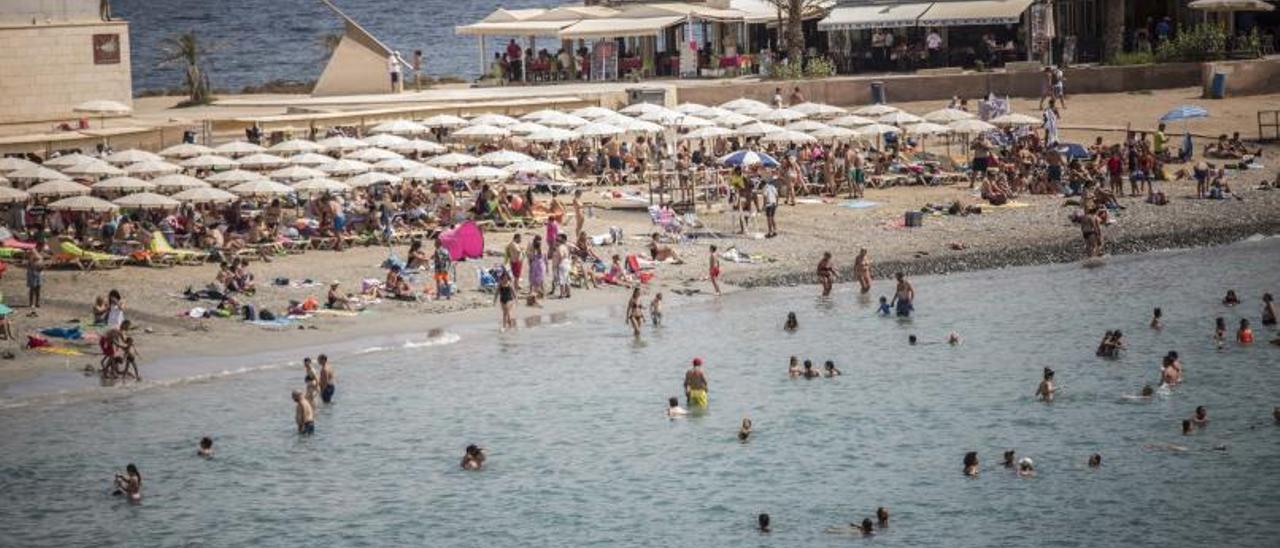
x=185 y=50
x=1113 y=29
x=791 y=15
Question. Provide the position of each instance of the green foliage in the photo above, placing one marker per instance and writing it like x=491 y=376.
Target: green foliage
x=816 y=67
x=185 y=50
x=1198 y=43
x=786 y=70
x=820 y=67
x=1132 y=58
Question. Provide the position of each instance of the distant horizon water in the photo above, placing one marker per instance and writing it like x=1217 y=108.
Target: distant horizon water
x=254 y=42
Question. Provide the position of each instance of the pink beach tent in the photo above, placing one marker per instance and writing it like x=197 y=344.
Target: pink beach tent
x=464 y=241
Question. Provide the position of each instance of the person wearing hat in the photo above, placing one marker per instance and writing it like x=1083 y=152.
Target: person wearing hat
x=335 y=300
x=695 y=385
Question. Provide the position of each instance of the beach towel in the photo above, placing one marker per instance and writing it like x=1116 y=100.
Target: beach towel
x=1012 y=204
x=464 y=241
x=58 y=350
x=337 y=313
x=859 y=204
x=17 y=244
x=279 y=323
x=69 y=333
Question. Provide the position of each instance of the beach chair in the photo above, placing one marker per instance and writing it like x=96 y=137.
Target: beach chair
x=12 y=254
x=71 y=254
x=159 y=246
x=487 y=281
x=666 y=218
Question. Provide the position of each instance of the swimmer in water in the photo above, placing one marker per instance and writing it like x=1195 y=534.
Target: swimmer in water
x=791 y=324
x=304 y=415
x=635 y=313
x=1268 y=310
x=865 y=528
x=971 y=464
x=885 y=309
x=793 y=369
x=1201 y=417
x=904 y=296
x=1046 y=389
x=1008 y=458
x=829 y=369
x=674 y=411
x=744 y=432
x=953 y=339
x=1147 y=391
x=1219 y=331
x=862 y=270
x=1105 y=346
x=1026 y=468
x=809 y=371
x=474 y=458
x=1095 y=460
x=1244 y=335
x=655 y=309
x=1155 y=319
x=1186 y=427
x=762 y=522
x=1231 y=299
x=1275 y=414
x=206 y=447
x=129 y=484
x=912 y=340
x=882 y=517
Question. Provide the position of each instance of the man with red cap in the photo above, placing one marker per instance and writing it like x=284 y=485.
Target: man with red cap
x=695 y=385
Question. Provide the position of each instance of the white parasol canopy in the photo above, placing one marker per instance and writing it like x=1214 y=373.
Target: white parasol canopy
x=177 y=182
x=147 y=200
x=296 y=146
x=757 y=129
x=233 y=177
x=552 y=135
x=400 y=127
x=371 y=155
x=453 y=159
x=490 y=119
x=210 y=161
x=733 y=119
x=1015 y=119
x=899 y=118
x=947 y=115
x=710 y=132
x=599 y=129
x=738 y=105
x=807 y=126
x=37 y=173
x=342 y=143
x=93 y=168
x=782 y=115
x=57 y=188
x=68 y=160
x=397 y=165
x=185 y=150
x=483 y=173
x=872 y=130
x=373 y=178
x=972 y=125
x=642 y=108
x=927 y=128
x=236 y=149
x=87 y=204
x=818 y=110
x=788 y=136
x=345 y=167
x=834 y=133
x=429 y=173
x=385 y=140
x=122 y=185
x=131 y=156
x=419 y=146
x=444 y=121
x=204 y=195
x=501 y=158
x=592 y=113
x=321 y=185
x=481 y=132
x=533 y=167
x=152 y=167
x=875 y=110
x=14 y=164
x=295 y=173
x=12 y=195
x=310 y=159
x=260 y=188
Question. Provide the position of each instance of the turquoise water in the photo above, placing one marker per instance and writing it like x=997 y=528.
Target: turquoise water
x=580 y=454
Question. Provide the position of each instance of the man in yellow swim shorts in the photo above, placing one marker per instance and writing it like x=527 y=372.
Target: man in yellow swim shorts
x=695 y=385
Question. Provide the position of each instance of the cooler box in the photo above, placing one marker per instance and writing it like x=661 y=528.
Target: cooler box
x=914 y=218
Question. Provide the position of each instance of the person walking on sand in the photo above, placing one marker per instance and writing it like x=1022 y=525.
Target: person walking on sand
x=826 y=273
x=714 y=270
x=505 y=296
x=695 y=385
x=440 y=261
x=1091 y=230
x=328 y=381
x=771 y=207
x=579 y=219
x=303 y=415
x=514 y=255
x=862 y=270
x=35 y=279
x=904 y=296
x=635 y=312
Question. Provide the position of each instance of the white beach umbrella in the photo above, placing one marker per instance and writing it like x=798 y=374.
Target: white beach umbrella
x=311 y=159
x=371 y=155
x=711 y=113
x=87 y=204
x=152 y=168
x=260 y=188
x=185 y=150
x=453 y=159
x=420 y=146
x=592 y=113
x=345 y=167
x=37 y=173
x=927 y=128
x=563 y=120
x=539 y=115
x=733 y=119
x=525 y=128
x=102 y=108
x=68 y=160
x=1015 y=119
x=692 y=122
x=757 y=129
x=481 y=132
x=385 y=140
x=483 y=173
x=57 y=188
x=781 y=115
x=818 y=110
x=12 y=195
x=972 y=125
x=204 y=195
x=122 y=185
x=397 y=165
x=533 y=167
x=321 y=185
x=788 y=137
x=262 y=161
x=738 y=105
x=947 y=115
x=694 y=109
x=210 y=161
x=234 y=177
x=830 y=133
x=876 y=129
x=296 y=146
x=807 y=126
x=876 y=110
x=755 y=111
x=632 y=125
x=93 y=168
x=444 y=121
x=899 y=118
x=552 y=135
x=147 y=200
x=373 y=178
x=429 y=173
x=661 y=116
x=501 y=158
x=596 y=130
x=642 y=108
x=295 y=173
x=491 y=119
x=8 y=165
x=236 y=149
x=400 y=127
x=131 y=156
x=177 y=182
x=710 y=132
x=342 y=143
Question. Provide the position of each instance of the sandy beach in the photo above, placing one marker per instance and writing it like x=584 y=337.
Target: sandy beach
x=1036 y=232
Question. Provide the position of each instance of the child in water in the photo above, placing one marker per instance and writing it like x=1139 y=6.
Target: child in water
x=884 y=309
x=1245 y=334
x=674 y=410
x=793 y=370
x=1219 y=331
x=655 y=309
x=792 y=324
x=830 y=369
x=1155 y=319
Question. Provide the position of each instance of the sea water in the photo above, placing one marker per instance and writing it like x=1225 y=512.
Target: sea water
x=570 y=409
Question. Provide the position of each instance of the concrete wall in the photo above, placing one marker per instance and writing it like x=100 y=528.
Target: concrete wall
x=1255 y=77
x=902 y=88
x=46 y=70
x=43 y=12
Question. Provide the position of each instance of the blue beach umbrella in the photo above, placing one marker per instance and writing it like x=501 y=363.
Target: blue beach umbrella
x=1185 y=112
x=745 y=158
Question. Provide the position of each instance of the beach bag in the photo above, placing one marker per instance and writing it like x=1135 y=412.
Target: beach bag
x=250 y=313
x=266 y=316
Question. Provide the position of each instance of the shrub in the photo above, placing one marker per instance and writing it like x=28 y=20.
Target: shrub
x=1199 y=43
x=1132 y=58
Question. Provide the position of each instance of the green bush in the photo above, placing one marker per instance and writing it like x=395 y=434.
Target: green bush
x=816 y=67
x=786 y=70
x=820 y=67
x=1199 y=43
x=1132 y=58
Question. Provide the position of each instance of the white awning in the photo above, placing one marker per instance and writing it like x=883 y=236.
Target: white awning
x=873 y=17
x=619 y=27
x=513 y=28
x=975 y=12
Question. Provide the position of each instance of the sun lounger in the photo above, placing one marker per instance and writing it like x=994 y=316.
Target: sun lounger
x=71 y=254
x=12 y=255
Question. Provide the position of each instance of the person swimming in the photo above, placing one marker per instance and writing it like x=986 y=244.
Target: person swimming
x=882 y=517
x=1275 y=414
x=1220 y=331
x=809 y=371
x=971 y=464
x=474 y=458
x=129 y=484
x=1201 y=417
x=1231 y=299
x=1186 y=427
x=793 y=369
x=1046 y=389
x=1268 y=310
x=674 y=411
x=1155 y=318
x=912 y=340
x=884 y=309
x=791 y=324
x=829 y=369
x=206 y=447
x=1008 y=459
x=953 y=339
x=744 y=432
x=762 y=523
x=1095 y=460
x=1244 y=335
x=1026 y=467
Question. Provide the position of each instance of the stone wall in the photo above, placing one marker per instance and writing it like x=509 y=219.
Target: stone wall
x=46 y=70
x=44 y=12
x=1256 y=77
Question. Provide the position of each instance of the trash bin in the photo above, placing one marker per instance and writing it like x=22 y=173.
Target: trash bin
x=1218 y=86
x=914 y=218
x=877 y=93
